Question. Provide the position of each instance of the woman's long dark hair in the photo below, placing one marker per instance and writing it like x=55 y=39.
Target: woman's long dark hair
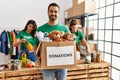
x=34 y=27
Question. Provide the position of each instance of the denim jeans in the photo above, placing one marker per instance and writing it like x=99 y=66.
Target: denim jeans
x=60 y=74
x=30 y=55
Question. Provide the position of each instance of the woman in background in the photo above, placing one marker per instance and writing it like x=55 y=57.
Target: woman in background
x=73 y=26
x=26 y=39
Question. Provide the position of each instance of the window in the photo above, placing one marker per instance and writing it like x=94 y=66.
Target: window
x=108 y=47
x=108 y=23
x=109 y=11
x=107 y=33
x=116 y=36
x=116 y=23
x=101 y=12
x=116 y=50
x=117 y=11
x=108 y=2
x=102 y=3
x=101 y=23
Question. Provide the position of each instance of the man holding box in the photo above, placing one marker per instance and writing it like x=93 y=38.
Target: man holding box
x=53 y=24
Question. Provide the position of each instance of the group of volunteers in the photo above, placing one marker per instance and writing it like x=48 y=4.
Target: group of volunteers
x=28 y=35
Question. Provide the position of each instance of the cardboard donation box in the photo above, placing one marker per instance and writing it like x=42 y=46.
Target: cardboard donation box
x=86 y=6
x=80 y=7
x=75 y=2
x=57 y=54
x=69 y=13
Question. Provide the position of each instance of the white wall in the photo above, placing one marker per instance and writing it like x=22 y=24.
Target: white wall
x=15 y=13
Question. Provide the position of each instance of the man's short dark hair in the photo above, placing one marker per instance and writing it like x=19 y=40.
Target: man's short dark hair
x=53 y=4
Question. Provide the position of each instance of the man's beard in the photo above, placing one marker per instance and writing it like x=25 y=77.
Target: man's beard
x=52 y=18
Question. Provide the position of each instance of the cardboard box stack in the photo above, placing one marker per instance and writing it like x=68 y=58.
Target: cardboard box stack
x=69 y=13
x=86 y=6
x=76 y=2
x=80 y=7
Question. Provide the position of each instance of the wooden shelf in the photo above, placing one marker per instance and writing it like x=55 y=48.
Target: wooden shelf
x=93 y=71
x=81 y=16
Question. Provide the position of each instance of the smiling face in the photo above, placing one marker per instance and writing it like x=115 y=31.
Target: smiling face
x=74 y=28
x=53 y=13
x=30 y=28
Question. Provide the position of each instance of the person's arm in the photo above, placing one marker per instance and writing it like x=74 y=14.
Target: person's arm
x=84 y=42
x=18 y=42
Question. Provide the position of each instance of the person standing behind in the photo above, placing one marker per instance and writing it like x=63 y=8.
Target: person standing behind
x=73 y=26
x=53 y=24
x=25 y=37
